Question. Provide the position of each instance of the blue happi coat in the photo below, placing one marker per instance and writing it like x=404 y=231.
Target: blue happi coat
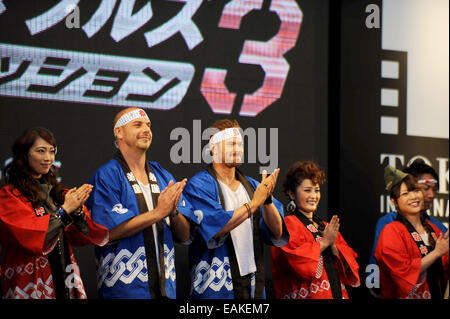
x=122 y=265
x=208 y=258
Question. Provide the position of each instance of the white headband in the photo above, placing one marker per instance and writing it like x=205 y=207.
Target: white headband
x=225 y=134
x=426 y=181
x=131 y=116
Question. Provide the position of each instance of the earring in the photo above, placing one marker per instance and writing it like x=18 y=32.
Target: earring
x=291 y=207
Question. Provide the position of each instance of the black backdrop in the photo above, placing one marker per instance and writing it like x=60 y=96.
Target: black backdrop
x=328 y=109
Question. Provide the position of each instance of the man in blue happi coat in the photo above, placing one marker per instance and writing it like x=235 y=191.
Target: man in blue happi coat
x=235 y=214
x=144 y=210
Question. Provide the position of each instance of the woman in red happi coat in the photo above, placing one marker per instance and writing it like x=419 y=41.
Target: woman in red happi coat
x=39 y=223
x=317 y=263
x=412 y=252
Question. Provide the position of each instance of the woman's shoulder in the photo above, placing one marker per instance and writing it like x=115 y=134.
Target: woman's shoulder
x=9 y=191
x=394 y=230
x=11 y=199
x=292 y=222
x=394 y=225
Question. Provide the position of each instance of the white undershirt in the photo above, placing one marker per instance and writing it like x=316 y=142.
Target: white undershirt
x=242 y=235
x=425 y=238
x=149 y=201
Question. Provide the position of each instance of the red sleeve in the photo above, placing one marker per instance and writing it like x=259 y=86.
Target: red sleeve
x=19 y=222
x=98 y=235
x=398 y=259
x=444 y=258
x=348 y=266
x=302 y=252
x=445 y=266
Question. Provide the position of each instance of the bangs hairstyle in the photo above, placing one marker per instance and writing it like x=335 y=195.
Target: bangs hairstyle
x=300 y=171
x=19 y=174
x=410 y=182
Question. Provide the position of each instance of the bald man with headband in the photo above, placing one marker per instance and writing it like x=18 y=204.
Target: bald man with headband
x=235 y=215
x=143 y=207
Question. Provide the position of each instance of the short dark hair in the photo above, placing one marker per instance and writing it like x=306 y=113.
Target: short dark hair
x=419 y=167
x=300 y=171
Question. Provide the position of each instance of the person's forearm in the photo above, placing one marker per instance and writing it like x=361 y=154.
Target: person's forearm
x=427 y=261
x=181 y=227
x=135 y=225
x=239 y=216
x=80 y=221
x=273 y=220
x=54 y=227
x=324 y=244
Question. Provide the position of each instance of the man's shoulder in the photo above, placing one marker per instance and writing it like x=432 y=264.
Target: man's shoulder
x=161 y=172
x=156 y=166
x=202 y=179
x=203 y=175
x=437 y=222
x=112 y=164
x=386 y=219
x=253 y=181
x=108 y=169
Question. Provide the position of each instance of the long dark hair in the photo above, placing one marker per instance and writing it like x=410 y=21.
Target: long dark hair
x=411 y=184
x=19 y=175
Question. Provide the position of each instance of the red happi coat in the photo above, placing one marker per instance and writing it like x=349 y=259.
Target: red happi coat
x=297 y=268
x=399 y=260
x=26 y=268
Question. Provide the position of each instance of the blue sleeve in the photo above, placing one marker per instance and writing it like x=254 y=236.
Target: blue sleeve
x=105 y=201
x=267 y=237
x=382 y=221
x=438 y=224
x=202 y=193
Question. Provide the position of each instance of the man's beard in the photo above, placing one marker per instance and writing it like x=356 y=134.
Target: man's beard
x=140 y=144
x=234 y=164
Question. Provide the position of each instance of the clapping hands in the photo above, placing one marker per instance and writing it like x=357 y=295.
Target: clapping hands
x=76 y=197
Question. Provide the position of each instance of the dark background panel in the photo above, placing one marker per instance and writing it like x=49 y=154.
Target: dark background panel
x=358 y=128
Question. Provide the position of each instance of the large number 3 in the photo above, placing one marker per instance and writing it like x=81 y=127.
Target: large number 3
x=269 y=55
